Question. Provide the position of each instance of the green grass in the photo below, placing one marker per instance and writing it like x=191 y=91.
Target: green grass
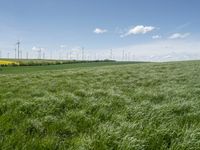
x=27 y=69
x=151 y=106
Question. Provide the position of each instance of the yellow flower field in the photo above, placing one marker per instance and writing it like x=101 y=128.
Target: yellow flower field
x=5 y=62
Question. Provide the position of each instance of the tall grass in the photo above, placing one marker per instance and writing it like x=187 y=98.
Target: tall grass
x=137 y=106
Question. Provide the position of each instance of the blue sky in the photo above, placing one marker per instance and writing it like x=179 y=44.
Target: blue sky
x=101 y=25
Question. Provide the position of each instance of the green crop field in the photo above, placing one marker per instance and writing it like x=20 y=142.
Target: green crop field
x=146 y=106
x=44 y=67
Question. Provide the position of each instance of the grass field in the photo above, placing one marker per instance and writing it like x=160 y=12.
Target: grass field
x=148 y=106
x=29 y=69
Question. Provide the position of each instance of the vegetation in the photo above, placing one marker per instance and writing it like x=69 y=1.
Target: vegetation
x=149 y=106
x=6 y=63
x=33 y=68
x=43 y=62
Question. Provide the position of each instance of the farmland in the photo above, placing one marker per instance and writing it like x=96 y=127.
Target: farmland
x=43 y=62
x=6 y=62
x=101 y=106
x=41 y=65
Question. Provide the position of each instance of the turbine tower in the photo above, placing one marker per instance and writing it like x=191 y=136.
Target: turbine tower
x=15 y=53
x=82 y=53
x=40 y=53
x=27 y=55
x=18 y=45
x=123 y=55
x=111 y=54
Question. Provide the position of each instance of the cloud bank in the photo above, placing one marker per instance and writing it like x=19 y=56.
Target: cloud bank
x=156 y=37
x=158 y=50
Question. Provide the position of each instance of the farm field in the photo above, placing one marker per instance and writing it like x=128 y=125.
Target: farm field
x=69 y=65
x=43 y=62
x=6 y=62
x=146 y=106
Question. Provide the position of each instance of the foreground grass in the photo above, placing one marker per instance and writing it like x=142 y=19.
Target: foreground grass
x=136 y=106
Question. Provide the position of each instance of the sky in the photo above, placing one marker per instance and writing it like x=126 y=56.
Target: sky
x=155 y=30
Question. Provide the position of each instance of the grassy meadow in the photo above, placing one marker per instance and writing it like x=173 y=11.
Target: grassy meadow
x=147 y=106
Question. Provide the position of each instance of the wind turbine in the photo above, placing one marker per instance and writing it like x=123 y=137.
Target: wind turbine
x=15 y=53
x=27 y=55
x=39 y=53
x=123 y=56
x=43 y=55
x=111 y=54
x=82 y=53
x=18 y=45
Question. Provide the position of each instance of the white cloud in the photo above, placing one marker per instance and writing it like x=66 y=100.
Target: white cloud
x=139 y=29
x=185 y=25
x=76 y=48
x=37 y=48
x=63 y=46
x=179 y=35
x=42 y=49
x=99 y=31
x=156 y=37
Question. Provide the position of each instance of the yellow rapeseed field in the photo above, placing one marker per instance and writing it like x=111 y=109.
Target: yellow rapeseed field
x=5 y=62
